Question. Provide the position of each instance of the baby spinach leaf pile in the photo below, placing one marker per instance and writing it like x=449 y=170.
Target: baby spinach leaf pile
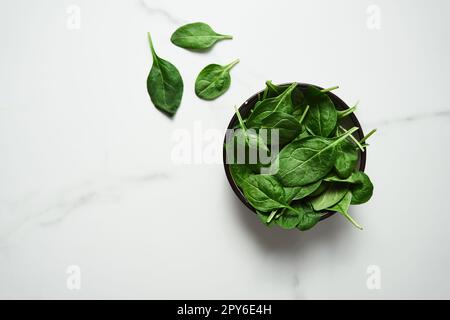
x=316 y=165
x=164 y=82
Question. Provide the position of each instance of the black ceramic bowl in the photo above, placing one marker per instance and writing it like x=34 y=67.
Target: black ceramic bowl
x=350 y=121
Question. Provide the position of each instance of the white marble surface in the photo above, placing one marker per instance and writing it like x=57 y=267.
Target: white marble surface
x=86 y=176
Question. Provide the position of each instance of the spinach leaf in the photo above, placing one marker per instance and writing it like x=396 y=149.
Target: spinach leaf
x=361 y=186
x=297 y=193
x=303 y=217
x=346 y=159
x=273 y=90
x=288 y=219
x=321 y=189
x=342 y=207
x=309 y=218
x=330 y=197
x=322 y=116
x=213 y=81
x=252 y=139
x=307 y=160
x=262 y=109
x=258 y=189
x=197 y=36
x=164 y=84
x=287 y=126
x=264 y=192
x=239 y=173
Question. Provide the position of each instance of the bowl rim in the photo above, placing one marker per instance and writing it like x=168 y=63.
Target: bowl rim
x=253 y=99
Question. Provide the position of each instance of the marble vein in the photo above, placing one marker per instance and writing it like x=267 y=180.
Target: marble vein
x=162 y=12
x=54 y=207
x=412 y=118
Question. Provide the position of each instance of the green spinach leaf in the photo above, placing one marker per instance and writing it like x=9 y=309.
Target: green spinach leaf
x=239 y=173
x=164 y=84
x=309 y=218
x=346 y=159
x=322 y=116
x=263 y=109
x=361 y=186
x=287 y=126
x=213 y=81
x=321 y=189
x=303 y=217
x=330 y=197
x=197 y=36
x=297 y=193
x=307 y=160
x=342 y=207
x=273 y=90
x=251 y=138
x=264 y=192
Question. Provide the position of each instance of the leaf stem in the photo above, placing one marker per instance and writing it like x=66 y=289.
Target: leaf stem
x=354 y=139
x=303 y=114
x=241 y=122
x=367 y=136
x=226 y=36
x=280 y=213
x=270 y=85
x=345 y=135
x=152 y=49
x=344 y=113
x=272 y=214
x=329 y=89
x=232 y=64
x=289 y=90
x=293 y=209
x=265 y=93
x=349 y=218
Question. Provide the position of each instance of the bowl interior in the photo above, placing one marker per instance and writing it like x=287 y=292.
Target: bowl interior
x=348 y=122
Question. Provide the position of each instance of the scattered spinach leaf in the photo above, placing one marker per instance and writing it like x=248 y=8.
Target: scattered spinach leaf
x=197 y=36
x=164 y=84
x=213 y=81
